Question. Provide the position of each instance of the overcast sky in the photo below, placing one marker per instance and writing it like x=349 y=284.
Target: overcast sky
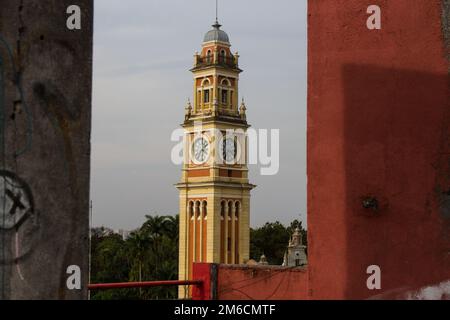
x=143 y=50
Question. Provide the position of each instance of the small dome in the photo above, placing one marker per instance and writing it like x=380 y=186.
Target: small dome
x=216 y=34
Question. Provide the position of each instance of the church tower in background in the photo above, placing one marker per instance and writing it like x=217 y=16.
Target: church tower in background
x=214 y=187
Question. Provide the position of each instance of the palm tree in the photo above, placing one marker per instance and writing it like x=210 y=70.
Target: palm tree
x=172 y=224
x=155 y=228
x=138 y=243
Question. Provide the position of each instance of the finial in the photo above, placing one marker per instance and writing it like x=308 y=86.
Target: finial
x=188 y=109
x=216 y=24
x=243 y=109
x=297 y=237
x=263 y=260
x=217 y=11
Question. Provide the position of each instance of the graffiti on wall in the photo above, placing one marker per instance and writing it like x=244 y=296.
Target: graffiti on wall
x=18 y=216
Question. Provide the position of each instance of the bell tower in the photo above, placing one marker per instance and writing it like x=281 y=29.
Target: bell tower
x=214 y=187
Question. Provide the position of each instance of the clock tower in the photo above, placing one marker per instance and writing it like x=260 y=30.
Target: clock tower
x=214 y=187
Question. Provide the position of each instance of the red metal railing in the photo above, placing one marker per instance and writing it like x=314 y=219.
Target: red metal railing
x=204 y=286
x=107 y=286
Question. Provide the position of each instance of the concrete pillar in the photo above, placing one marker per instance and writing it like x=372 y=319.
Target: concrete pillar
x=45 y=148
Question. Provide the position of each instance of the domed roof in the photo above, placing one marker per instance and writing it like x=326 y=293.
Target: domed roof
x=216 y=34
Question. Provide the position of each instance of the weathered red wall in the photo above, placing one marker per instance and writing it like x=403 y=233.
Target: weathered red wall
x=378 y=127
x=203 y=272
x=237 y=282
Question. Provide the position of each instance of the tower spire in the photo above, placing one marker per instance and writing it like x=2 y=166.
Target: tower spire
x=217 y=11
x=216 y=24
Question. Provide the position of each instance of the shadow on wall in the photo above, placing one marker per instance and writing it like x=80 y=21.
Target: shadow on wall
x=397 y=164
x=241 y=282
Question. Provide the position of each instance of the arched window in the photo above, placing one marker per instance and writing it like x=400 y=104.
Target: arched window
x=191 y=210
x=208 y=56
x=224 y=96
x=230 y=210
x=206 y=97
x=222 y=210
x=222 y=56
x=237 y=209
x=225 y=91
x=225 y=82
x=204 y=209
x=206 y=83
x=197 y=209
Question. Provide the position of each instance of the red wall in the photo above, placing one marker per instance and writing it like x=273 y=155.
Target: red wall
x=261 y=283
x=378 y=127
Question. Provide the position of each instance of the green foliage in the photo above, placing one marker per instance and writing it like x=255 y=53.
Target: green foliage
x=272 y=240
x=148 y=254
x=151 y=253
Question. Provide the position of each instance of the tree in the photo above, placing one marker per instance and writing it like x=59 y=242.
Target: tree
x=272 y=240
x=109 y=263
x=151 y=253
x=137 y=247
x=162 y=258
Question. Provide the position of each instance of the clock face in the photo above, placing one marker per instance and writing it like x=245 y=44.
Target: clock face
x=228 y=150
x=201 y=150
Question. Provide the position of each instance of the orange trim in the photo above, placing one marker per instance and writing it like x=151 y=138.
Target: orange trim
x=197 y=239
x=230 y=173
x=231 y=199
x=205 y=243
x=229 y=234
x=200 y=80
x=212 y=48
x=197 y=199
x=190 y=249
x=222 y=239
x=198 y=173
x=236 y=241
